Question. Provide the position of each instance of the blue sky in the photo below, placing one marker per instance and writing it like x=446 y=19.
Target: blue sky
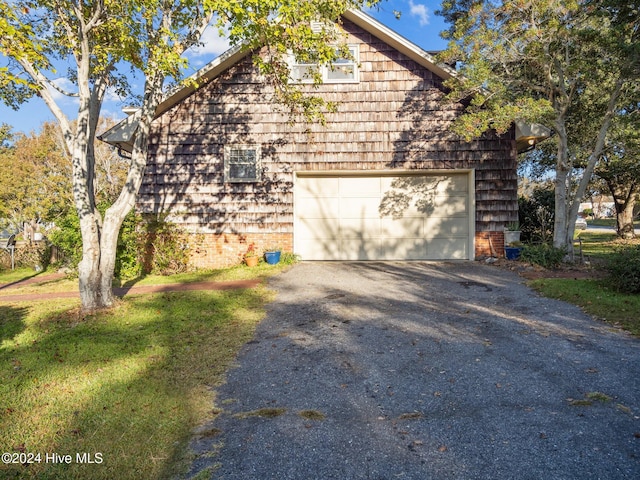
x=417 y=23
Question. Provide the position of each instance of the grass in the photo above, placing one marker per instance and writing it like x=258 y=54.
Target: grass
x=595 y=296
x=262 y=412
x=598 y=246
x=10 y=276
x=130 y=383
x=70 y=284
x=608 y=222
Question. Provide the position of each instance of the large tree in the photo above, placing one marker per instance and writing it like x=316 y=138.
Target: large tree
x=35 y=185
x=105 y=39
x=619 y=167
x=536 y=60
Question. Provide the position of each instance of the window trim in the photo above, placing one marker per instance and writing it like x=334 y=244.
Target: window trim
x=325 y=70
x=227 y=162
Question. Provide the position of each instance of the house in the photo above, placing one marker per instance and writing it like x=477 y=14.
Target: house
x=601 y=206
x=383 y=179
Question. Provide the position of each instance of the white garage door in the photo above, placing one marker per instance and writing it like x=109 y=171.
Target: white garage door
x=389 y=217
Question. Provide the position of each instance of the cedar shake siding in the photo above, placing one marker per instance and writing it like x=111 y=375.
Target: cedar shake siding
x=392 y=119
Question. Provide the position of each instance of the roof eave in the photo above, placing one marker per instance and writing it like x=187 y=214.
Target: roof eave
x=399 y=42
x=528 y=135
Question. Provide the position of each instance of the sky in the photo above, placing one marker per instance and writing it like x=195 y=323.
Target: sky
x=417 y=23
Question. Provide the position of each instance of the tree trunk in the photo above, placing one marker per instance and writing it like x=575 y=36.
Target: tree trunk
x=109 y=249
x=89 y=274
x=561 y=186
x=624 y=218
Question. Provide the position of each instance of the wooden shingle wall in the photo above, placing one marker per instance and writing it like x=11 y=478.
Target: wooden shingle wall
x=391 y=119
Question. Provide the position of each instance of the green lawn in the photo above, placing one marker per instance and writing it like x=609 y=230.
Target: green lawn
x=595 y=298
x=70 y=284
x=608 y=222
x=594 y=295
x=129 y=384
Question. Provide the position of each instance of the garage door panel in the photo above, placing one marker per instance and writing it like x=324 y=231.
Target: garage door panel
x=359 y=186
x=360 y=248
x=319 y=249
x=404 y=248
x=321 y=228
x=448 y=249
x=453 y=184
x=319 y=207
x=402 y=227
x=446 y=228
x=318 y=186
x=448 y=207
x=362 y=207
x=360 y=227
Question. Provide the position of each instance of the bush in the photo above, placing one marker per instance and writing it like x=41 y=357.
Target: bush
x=128 y=252
x=164 y=250
x=288 y=258
x=624 y=269
x=545 y=255
x=66 y=236
x=143 y=246
x=536 y=215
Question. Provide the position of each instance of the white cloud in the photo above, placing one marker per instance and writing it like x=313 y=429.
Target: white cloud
x=112 y=96
x=212 y=44
x=65 y=85
x=421 y=11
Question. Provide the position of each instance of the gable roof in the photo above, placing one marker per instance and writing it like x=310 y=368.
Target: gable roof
x=122 y=134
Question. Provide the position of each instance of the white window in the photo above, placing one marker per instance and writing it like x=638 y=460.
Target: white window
x=342 y=70
x=242 y=163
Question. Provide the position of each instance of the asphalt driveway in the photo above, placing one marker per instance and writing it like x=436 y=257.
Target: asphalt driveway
x=424 y=371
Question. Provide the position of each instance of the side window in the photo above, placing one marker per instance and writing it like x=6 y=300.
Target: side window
x=343 y=70
x=242 y=163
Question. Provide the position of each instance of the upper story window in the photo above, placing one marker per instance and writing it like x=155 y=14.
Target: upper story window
x=242 y=163
x=342 y=70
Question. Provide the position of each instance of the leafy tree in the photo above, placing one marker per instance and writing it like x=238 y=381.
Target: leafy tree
x=105 y=39
x=35 y=183
x=619 y=168
x=536 y=61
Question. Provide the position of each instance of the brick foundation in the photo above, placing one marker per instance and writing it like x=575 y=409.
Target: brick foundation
x=489 y=244
x=209 y=250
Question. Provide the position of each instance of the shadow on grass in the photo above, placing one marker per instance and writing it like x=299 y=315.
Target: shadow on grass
x=20 y=281
x=11 y=321
x=129 y=384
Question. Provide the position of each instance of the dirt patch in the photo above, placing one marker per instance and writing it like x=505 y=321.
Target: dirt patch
x=535 y=272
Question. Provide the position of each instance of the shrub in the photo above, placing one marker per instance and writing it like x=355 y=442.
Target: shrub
x=545 y=255
x=164 y=249
x=147 y=246
x=288 y=258
x=624 y=269
x=536 y=215
x=66 y=236
x=128 y=253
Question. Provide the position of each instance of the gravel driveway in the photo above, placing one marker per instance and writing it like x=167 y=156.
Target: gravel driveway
x=424 y=371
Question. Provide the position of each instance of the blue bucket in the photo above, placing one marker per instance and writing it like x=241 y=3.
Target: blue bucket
x=272 y=257
x=512 y=253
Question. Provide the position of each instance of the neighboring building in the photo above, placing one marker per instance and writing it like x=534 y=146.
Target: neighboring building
x=602 y=206
x=384 y=179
